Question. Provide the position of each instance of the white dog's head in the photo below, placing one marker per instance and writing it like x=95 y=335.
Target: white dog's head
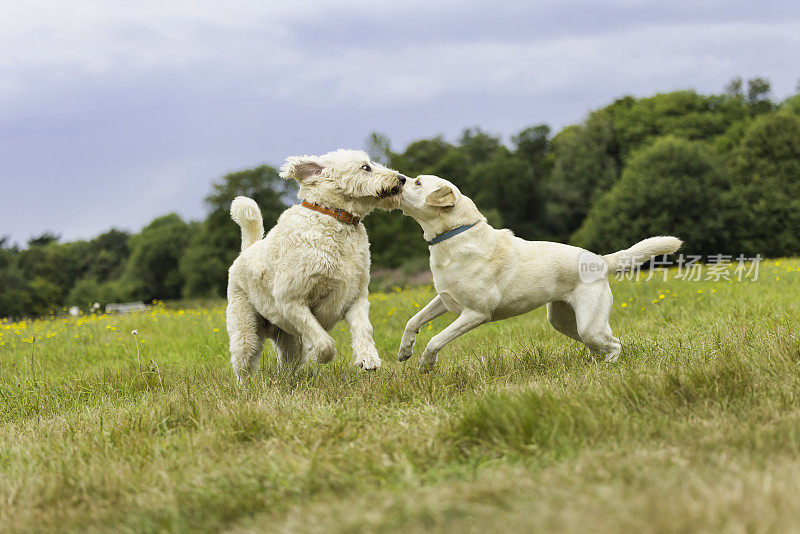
x=437 y=205
x=345 y=179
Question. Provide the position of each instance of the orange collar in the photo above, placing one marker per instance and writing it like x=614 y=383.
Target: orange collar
x=340 y=215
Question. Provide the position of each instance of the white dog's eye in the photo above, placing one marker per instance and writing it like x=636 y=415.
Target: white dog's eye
x=418 y=182
x=367 y=168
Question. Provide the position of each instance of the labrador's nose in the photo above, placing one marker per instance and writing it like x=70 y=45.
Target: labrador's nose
x=402 y=179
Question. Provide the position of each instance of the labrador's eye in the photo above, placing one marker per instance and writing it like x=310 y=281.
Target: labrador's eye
x=366 y=168
x=417 y=182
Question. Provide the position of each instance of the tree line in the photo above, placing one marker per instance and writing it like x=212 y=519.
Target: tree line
x=722 y=171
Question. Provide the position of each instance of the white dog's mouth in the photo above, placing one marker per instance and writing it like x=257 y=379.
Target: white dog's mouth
x=393 y=191
x=386 y=193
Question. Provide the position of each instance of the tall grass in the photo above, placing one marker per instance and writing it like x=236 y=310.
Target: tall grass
x=697 y=427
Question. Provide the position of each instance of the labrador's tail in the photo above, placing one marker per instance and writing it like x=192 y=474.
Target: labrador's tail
x=642 y=252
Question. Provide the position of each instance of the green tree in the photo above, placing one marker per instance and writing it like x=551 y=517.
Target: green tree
x=478 y=145
x=106 y=255
x=758 y=90
x=455 y=165
x=394 y=239
x=217 y=241
x=583 y=167
x=14 y=289
x=533 y=144
x=734 y=88
x=766 y=186
x=60 y=265
x=673 y=187
x=86 y=292
x=44 y=239
x=379 y=148
x=506 y=186
x=421 y=156
x=791 y=105
x=684 y=114
x=52 y=269
x=43 y=296
x=155 y=253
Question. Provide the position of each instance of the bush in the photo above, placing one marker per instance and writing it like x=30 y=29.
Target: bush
x=44 y=296
x=674 y=187
x=584 y=168
x=155 y=253
x=87 y=291
x=766 y=186
x=84 y=293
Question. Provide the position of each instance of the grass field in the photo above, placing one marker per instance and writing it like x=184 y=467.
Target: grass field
x=696 y=428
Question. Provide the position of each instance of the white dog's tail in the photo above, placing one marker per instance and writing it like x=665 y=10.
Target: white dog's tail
x=642 y=252
x=246 y=213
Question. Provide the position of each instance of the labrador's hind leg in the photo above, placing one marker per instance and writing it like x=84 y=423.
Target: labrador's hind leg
x=592 y=304
x=562 y=317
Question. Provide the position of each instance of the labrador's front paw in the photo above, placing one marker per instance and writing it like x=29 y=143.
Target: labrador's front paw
x=406 y=346
x=405 y=352
x=368 y=362
x=427 y=362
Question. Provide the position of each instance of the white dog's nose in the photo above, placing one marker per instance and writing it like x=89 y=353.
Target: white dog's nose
x=402 y=179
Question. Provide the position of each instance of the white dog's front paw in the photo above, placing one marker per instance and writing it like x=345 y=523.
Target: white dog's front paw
x=369 y=362
x=324 y=351
x=427 y=361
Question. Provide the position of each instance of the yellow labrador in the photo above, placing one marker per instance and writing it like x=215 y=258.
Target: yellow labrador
x=483 y=274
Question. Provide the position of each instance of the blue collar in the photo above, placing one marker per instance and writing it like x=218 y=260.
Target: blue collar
x=451 y=233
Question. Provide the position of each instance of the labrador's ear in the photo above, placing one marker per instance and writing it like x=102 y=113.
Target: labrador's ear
x=441 y=197
x=301 y=168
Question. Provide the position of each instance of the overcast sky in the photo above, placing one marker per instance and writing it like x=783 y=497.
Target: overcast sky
x=115 y=112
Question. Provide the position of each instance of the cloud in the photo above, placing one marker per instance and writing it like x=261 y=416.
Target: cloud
x=276 y=47
x=634 y=60
x=124 y=110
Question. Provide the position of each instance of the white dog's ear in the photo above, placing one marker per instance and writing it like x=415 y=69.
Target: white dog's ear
x=301 y=168
x=442 y=197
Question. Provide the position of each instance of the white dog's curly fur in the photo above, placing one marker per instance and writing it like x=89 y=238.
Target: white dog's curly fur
x=311 y=270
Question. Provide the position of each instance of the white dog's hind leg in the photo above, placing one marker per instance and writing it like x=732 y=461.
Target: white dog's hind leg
x=247 y=331
x=592 y=303
x=431 y=311
x=318 y=345
x=465 y=322
x=366 y=355
x=289 y=349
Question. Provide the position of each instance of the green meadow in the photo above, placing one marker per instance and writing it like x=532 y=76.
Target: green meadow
x=697 y=427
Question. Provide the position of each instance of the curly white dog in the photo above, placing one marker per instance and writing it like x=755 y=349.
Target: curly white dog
x=312 y=269
x=485 y=275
